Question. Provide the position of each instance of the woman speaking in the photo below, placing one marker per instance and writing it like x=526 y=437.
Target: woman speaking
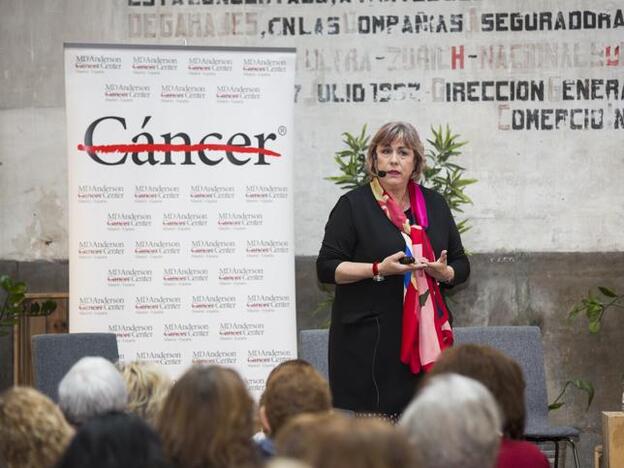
x=388 y=247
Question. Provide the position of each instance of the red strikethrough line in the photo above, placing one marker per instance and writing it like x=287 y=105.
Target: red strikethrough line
x=161 y=147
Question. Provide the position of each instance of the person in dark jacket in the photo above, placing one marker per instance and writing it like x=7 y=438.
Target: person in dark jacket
x=389 y=246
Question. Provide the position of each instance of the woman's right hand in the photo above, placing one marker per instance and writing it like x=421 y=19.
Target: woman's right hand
x=391 y=265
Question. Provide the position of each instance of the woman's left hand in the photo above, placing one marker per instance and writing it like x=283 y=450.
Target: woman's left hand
x=439 y=270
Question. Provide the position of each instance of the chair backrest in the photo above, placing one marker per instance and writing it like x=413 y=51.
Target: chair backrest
x=313 y=345
x=523 y=344
x=54 y=354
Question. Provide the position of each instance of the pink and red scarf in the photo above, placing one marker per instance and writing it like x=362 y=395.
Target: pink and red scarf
x=426 y=328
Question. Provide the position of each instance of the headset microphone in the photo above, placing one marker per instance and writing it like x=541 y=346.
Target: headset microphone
x=375 y=171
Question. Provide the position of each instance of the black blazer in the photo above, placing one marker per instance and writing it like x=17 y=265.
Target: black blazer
x=365 y=334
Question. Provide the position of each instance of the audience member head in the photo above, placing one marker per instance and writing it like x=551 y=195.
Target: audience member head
x=33 y=431
x=114 y=440
x=293 y=387
x=148 y=385
x=208 y=420
x=501 y=375
x=93 y=386
x=329 y=440
x=282 y=462
x=453 y=422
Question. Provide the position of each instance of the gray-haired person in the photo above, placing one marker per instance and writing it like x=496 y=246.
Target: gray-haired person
x=93 y=386
x=453 y=422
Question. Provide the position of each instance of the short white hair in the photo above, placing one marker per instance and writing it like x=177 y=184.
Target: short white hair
x=93 y=386
x=454 y=422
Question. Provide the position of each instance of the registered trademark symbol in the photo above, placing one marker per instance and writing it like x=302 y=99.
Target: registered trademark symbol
x=281 y=130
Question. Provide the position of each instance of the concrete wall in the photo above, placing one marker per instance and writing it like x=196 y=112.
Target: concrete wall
x=548 y=208
x=534 y=184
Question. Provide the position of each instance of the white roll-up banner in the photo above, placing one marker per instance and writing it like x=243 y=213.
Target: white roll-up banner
x=181 y=234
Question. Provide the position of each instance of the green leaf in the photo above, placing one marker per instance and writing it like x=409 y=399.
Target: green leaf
x=594 y=327
x=6 y=282
x=577 y=309
x=48 y=306
x=555 y=406
x=17 y=296
x=464 y=182
x=607 y=291
x=587 y=387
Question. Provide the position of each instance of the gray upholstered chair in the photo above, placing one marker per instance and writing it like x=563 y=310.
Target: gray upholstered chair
x=524 y=344
x=313 y=348
x=54 y=354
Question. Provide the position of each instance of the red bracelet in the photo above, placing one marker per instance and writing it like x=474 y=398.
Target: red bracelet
x=376 y=275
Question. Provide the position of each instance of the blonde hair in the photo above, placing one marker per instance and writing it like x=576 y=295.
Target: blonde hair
x=33 y=431
x=393 y=131
x=148 y=386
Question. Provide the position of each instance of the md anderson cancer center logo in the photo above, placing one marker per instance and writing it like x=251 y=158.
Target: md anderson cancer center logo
x=157 y=304
x=240 y=275
x=253 y=66
x=208 y=65
x=184 y=221
x=125 y=92
x=182 y=93
x=156 y=248
x=100 y=249
x=116 y=221
x=153 y=65
x=211 y=193
x=267 y=302
x=212 y=248
x=128 y=277
x=93 y=193
x=163 y=358
x=239 y=221
x=184 y=276
x=207 y=303
x=131 y=332
x=215 y=358
x=240 y=331
x=267 y=358
x=96 y=63
x=265 y=193
x=185 y=331
x=100 y=305
x=266 y=248
x=156 y=193
x=237 y=94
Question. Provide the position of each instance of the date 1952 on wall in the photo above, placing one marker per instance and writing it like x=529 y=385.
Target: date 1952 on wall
x=326 y=93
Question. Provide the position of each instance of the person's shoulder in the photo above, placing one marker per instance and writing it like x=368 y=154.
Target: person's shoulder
x=358 y=192
x=513 y=451
x=356 y=195
x=432 y=197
